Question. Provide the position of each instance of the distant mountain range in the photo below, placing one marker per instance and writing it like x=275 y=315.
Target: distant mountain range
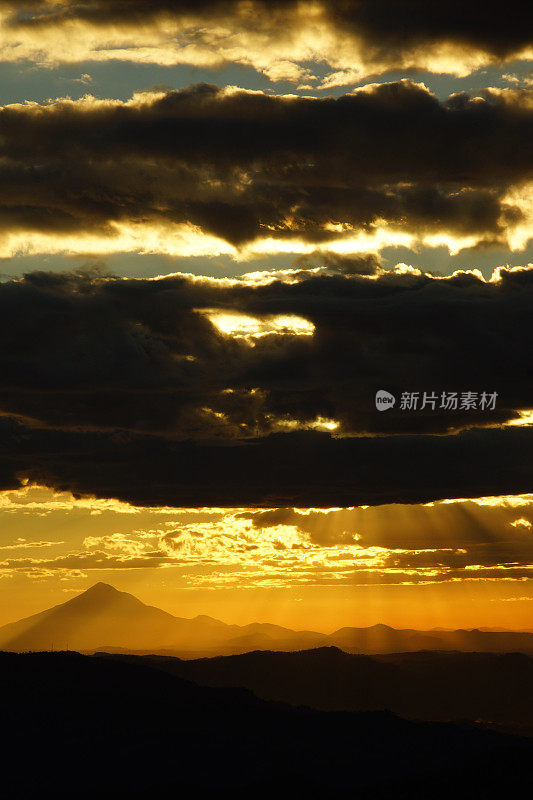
x=103 y=618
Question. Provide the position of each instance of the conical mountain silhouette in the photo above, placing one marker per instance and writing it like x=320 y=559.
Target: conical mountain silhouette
x=101 y=615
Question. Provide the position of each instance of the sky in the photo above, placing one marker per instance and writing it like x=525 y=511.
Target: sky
x=224 y=227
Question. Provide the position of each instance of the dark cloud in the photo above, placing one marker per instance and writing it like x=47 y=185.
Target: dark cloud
x=93 y=353
x=126 y=388
x=302 y=469
x=244 y=165
x=387 y=28
x=491 y=555
x=388 y=25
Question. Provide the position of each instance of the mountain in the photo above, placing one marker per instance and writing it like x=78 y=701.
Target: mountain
x=82 y=726
x=103 y=615
x=103 y=618
x=383 y=639
x=448 y=686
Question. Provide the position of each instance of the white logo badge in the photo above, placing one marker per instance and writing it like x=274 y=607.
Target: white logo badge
x=384 y=400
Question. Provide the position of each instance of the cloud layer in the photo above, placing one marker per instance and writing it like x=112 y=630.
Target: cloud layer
x=283 y=547
x=354 y=38
x=195 y=391
x=243 y=168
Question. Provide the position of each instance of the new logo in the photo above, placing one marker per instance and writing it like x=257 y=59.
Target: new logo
x=384 y=400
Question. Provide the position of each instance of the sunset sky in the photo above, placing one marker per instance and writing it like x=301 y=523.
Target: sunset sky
x=224 y=226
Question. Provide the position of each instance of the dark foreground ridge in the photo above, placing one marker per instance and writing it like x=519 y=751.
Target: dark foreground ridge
x=490 y=688
x=82 y=726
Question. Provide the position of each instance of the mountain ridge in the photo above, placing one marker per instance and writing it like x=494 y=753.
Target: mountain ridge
x=490 y=688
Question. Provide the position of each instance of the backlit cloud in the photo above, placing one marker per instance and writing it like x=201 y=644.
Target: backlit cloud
x=287 y=547
x=209 y=171
x=281 y=39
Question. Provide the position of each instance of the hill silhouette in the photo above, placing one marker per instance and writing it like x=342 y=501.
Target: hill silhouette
x=491 y=688
x=80 y=726
x=104 y=618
